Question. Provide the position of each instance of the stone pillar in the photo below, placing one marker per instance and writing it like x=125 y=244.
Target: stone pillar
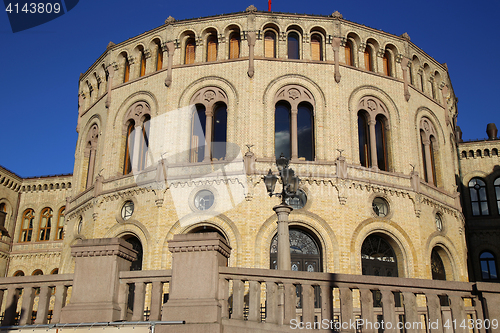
x=336 y=47
x=428 y=163
x=208 y=135
x=98 y=263
x=373 y=143
x=170 y=46
x=194 y=287
x=284 y=261
x=490 y=293
x=293 y=134
x=251 y=45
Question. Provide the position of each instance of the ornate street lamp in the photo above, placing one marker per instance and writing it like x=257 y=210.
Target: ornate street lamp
x=290 y=186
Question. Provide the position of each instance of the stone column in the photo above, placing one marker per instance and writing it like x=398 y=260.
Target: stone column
x=208 y=135
x=98 y=263
x=293 y=134
x=194 y=287
x=404 y=67
x=284 y=261
x=170 y=47
x=251 y=46
x=336 y=47
x=428 y=163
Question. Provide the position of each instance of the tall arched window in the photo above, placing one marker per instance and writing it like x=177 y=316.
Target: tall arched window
x=294 y=123
x=126 y=74
x=137 y=137
x=159 y=55
x=190 y=52
x=305 y=135
x=60 y=224
x=282 y=139
x=234 y=45
x=378 y=257
x=219 y=137
x=209 y=127
x=488 y=266
x=137 y=246
x=496 y=183
x=212 y=48
x=305 y=251
x=387 y=63
x=349 y=58
x=368 y=59
x=45 y=224
x=373 y=128
x=316 y=47
x=478 y=197
x=429 y=148
x=143 y=63
x=270 y=44
x=293 y=46
x=437 y=266
x=27 y=226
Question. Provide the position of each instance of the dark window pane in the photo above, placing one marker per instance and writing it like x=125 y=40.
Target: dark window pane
x=485 y=270
x=381 y=145
x=493 y=270
x=198 y=139
x=482 y=194
x=282 y=131
x=220 y=132
x=293 y=46
x=484 y=208
x=305 y=133
x=364 y=145
x=475 y=208
x=473 y=195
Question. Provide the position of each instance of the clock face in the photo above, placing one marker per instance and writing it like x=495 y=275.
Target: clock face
x=127 y=210
x=380 y=207
x=439 y=222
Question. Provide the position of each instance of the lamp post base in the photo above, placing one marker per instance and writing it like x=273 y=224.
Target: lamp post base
x=284 y=261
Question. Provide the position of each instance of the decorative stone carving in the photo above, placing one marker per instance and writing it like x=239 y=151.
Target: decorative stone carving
x=405 y=36
x=251 y=9
x=110 y=45
x=336 y=15
x=294 y=94
x=170 y=20
x=136 y=112
x=427 y=130
x=209 y=96
x=373 y=106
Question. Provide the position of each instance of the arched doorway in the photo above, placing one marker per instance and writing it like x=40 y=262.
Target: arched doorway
x=437 y=266
x=378 y=257
x=305 y=251
x=136 y=245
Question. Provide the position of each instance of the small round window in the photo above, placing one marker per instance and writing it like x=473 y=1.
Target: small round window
x=204 y=200
x=298 y=201
x=380 y=207
x=127 y=210
x=439 y=222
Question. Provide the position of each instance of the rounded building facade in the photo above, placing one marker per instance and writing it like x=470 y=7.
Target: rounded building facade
x=178 y=125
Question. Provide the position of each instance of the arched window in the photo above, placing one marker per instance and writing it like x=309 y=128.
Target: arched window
x=212 y=48
x=368 y=59
x=316 y=47
x=219 y=137
x=137 y=246
x=190 y=51
x=380 y=135
x=234 y=45
x=19 y=273
x=305 y=135
x=60 y=223
x=496 y=183
x=270 y=44
x=159 y=55
x=90 y=153
x=478 y=197
x=364 y=140
x=378 y=257
x=294 y=123
x=126 y=74
x=45 y=224
x=349 y=57
x=488 y=266
x=305 y=251
x=293 y=46
x=143 y=64
x=282 y=139
x=437 y=266
x=387 y=63
x=209 y=126
x=37 y=272
x=428 y=145
x=27 y=226
x=137 y=138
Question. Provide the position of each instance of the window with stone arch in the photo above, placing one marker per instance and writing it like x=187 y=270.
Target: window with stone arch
x=317 y=46
x=349 y=55
x=478 y=197
x=378 y=257
x=142 y=60
x=437 y=266
x=270 y=44
x=90 y=153
x=368 y=56
x=209 y=125
x=429 y=150
x=294 y=123
x=45 y=225
x=126 y=67
x=373 y=133
x=234 y=44
x=488 y=266
x=136 y=131
x=212 y=46
x=496 y=184
x=190 y=49
x=293 y=42
x=27 y=226
x=60 y=223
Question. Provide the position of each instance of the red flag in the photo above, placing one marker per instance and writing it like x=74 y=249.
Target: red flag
x=269 y=4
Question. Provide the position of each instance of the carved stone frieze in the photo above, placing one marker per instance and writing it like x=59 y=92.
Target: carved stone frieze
x=170 y=20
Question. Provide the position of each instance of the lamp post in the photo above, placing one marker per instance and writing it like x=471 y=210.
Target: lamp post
x=290 y=185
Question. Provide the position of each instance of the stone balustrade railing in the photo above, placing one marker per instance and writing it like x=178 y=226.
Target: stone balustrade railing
x=22 y=294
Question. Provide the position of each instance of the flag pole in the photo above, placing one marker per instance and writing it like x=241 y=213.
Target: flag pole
x=269 y=5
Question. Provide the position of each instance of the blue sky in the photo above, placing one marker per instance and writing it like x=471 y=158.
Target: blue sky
x=41 y=66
